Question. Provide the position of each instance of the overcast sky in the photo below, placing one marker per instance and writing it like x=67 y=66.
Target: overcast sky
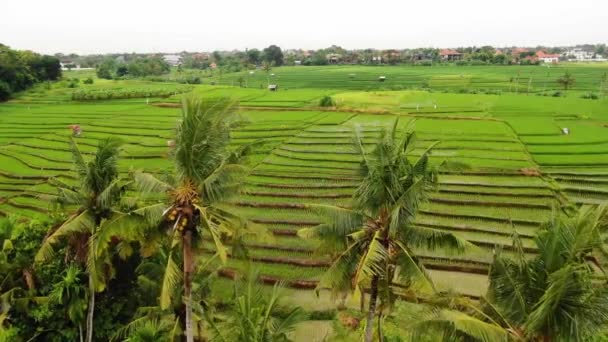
x=86 y=26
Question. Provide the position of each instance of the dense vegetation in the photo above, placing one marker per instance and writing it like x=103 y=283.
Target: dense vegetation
x=20 y=70
x=111 y=68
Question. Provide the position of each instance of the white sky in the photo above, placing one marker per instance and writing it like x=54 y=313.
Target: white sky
x=86 y=26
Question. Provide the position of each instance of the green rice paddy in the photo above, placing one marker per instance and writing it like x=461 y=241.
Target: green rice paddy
x=516 y=163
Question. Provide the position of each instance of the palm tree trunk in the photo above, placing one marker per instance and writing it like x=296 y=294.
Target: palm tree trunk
x=91 y=309
x=371 y=313
x=187 y=246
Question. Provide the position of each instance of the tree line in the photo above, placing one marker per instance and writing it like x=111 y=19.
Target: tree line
x=114 y=68
x=20 y=70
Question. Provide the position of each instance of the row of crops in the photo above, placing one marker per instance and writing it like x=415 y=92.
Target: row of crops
x=127 y=93
x=318 y=165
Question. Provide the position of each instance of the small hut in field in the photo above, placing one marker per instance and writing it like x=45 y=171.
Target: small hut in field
x=273 y=87
x=382 y=78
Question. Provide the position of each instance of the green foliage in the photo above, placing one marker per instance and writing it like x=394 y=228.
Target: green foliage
x=88 y=80
x=552 y=296
x=567 y=80
x=20 y=70
x=256 y=317
x=327 y=101
x=273 y=54
x=107 y=69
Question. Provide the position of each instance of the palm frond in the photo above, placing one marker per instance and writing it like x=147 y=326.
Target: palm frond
x=147 y=183
x=80 y=223
x=411 y=271
x=455 y=324
x=171 y=280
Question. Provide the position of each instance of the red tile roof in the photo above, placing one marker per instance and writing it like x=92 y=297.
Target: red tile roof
x=542 y=54
x=446 y=52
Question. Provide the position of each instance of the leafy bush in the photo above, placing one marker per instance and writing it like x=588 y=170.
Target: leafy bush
x=590 y=96
x=327 y=101
x=88 y=81
x=128 y=93
x=557 y=94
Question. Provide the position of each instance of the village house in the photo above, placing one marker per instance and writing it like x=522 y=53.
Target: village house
x=449 y=55
x=547 y=58
x=333 y=58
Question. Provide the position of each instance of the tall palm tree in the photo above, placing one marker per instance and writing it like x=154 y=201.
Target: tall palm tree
x=375 y=237
x=552 y=296
x=267 y=67
x=95 y=198
x=71 y=295
x=205 y=172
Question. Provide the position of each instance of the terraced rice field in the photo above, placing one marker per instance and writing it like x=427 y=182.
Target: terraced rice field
x=509 y=169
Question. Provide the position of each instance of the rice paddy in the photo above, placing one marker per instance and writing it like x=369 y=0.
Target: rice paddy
x=509 y=162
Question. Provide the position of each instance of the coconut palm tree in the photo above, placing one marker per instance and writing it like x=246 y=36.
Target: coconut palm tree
x=89 y=230
x=375 y=238
x=71 y=295
x=205 y=172
x=254 y=316
x=552 y=296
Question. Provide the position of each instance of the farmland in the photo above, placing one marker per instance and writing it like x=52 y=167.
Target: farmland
x=509 y=163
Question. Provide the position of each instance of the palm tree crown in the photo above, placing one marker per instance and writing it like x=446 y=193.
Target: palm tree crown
x=372 y=242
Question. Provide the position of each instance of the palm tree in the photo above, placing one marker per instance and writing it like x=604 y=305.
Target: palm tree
x=255 y=315
x=205 y=172
x=375 y=237
x=90 y=228
x=267 y=67
x=553 y=296
x=72 y=296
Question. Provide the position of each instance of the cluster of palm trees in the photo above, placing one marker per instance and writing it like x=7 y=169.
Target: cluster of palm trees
x=372 y=243
x=177 y=211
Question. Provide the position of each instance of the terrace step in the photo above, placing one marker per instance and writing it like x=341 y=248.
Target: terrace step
x=288 y=195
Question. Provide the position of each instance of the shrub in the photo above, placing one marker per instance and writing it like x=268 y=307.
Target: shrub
x=5 y=91
x=557 y=94
x=327 y=101
x=88 y=81
x=590 y=96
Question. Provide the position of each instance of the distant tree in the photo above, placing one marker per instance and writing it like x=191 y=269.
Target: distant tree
x=122 y=70
x=148 y=66
x=217 y=57
x=600 y=49
x=273 y=54
x=253 y=56
x=566 y=80
x=107 y=68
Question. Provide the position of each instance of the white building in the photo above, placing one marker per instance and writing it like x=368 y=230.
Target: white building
x=578 y=54
x=173 y=60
